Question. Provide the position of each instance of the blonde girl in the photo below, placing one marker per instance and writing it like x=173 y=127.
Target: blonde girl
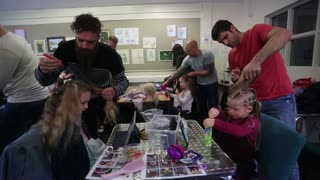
x=54 y=148
x=150 y=91
x=62 y=131
x=237 y=128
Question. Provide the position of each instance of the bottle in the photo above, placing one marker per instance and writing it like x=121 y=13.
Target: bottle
x=207 y=138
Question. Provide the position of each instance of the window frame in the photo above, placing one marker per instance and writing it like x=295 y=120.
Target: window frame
x=316 y=33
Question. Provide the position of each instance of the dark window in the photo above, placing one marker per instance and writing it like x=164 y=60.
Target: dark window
x=280 y=20
x=302 y=51
x=305 y=17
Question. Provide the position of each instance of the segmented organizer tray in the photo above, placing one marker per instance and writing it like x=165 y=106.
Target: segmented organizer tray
x=217 y=162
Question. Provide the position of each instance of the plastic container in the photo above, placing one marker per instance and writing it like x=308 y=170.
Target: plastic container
x=162 y=131
x=150 y=113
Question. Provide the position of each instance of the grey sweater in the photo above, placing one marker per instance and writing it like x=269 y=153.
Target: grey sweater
x=18 y=62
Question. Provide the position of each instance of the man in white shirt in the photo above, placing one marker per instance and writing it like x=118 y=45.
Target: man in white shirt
x=25 y=96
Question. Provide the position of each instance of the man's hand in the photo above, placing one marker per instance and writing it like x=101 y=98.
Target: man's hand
x=235 y=74
x=65 y=76
x=192 y=74
x=108 y=93
x=251 y=71
x=177 y=92
x=48 y=65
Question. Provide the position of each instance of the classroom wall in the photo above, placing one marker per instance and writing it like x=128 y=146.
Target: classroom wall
x=123 y=13
x=243 y=13
x=146 y=27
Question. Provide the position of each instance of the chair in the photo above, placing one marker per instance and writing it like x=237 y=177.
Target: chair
x=278 y=148
x=309 y=126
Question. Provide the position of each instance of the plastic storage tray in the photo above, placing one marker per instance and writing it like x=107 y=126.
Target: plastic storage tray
x=162 y=130
x=150 y=113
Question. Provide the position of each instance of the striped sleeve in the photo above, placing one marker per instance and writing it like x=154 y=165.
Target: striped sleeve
x=121 y=83
x=49 y=78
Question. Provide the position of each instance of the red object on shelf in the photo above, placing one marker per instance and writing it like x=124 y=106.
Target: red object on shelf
x=303 y=83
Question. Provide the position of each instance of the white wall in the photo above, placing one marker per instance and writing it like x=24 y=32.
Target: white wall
x=243 y=13
x=47 y=16
x=12 y=5
x=160 y=11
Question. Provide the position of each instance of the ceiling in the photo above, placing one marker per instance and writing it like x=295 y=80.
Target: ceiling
x=9 y=5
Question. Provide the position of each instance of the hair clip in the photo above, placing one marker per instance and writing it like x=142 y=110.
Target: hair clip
x=251 y=102
x=193 y=155
x=246 y=90
x=66 y=80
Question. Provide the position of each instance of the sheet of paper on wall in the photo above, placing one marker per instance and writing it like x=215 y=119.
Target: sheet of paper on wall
x=137 y=56
x=20 y=32
x=127 y=36
x=177 y=41
x=124 y=53
x=151 y=55
x=171 y=30
x=220 y=50
x=149 y=42
x=216 y=49
x=225 y=50
x=182 y=32
x=39 y=47
x=69 y=38
x=206 y=38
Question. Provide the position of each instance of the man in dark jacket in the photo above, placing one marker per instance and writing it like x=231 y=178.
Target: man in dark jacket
x=88 y=60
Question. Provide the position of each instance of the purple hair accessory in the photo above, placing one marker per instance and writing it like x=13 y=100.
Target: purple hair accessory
x=175 y=151
x=193 y=155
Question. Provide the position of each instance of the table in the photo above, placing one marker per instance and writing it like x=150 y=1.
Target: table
x=162 y=97
x=223 y=167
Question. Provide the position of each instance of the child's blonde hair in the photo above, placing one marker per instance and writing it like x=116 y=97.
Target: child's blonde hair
x=110 y=109
x=248 y=97
x=62 y=114
x=150 y=90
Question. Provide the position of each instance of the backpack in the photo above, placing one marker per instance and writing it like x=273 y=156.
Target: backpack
x=309 y=100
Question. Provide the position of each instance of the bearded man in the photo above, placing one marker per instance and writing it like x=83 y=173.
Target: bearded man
x=88 y=60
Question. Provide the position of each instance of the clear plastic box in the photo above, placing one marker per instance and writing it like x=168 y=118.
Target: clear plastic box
x=162 y=130
x=150 y=113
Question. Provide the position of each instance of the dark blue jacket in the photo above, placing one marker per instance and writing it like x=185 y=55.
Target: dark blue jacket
x=26 y=158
